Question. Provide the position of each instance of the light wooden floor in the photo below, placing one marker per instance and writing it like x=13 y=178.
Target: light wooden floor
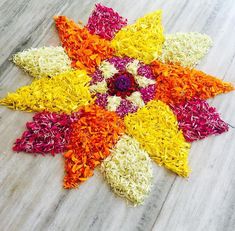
x=31 y=193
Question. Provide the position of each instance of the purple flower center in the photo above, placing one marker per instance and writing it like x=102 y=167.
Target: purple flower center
x=122 y=83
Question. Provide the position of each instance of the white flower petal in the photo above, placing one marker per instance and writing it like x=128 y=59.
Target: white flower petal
x=132 y=67
x=143 y=81
x=128 y=170
x=100 y=87
x=136 y=99
x=186 y=49
x=113 y=102
x=108 y=69
x=43 y=61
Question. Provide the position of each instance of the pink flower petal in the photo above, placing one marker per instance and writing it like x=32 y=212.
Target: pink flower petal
x=198 y=120
x=105 y=22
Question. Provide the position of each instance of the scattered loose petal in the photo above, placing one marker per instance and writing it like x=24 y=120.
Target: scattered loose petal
x=92 y=137
x=105 y=22
x=142 y=40
x=185 y=49
x=43 y=61
x=176 y=84
x=128 y=170
x=155 y=127
x=47 y=133
x=86 y=50
x=62 y=93
x=198 y=120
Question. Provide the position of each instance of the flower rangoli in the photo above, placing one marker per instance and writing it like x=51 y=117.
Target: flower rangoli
x=118 y=97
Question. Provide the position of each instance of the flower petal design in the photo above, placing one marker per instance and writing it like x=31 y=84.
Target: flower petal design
x=131 y=40
x=105 y=22
x=136 y=99
x=43 y=61
x=127 y=86
x=92 y=137
x=107 y=69
x=155 y=127
x=125 y=107
x=130 y=84
x=99 y=87
x=128 y=170
x=86 y=50
x=198 y=120
x=113 y=102
x=176 y=84
x=49 y=132
x=144 y=82
x=132 y=67
x=62 y=93
x=185 y=49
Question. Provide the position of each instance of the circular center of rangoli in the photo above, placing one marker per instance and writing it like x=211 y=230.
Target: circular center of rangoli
x=122 y=84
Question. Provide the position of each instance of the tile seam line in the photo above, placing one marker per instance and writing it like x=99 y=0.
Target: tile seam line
x=166 y=197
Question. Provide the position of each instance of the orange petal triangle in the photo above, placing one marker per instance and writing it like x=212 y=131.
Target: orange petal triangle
x=176 y=84
x=92 y=137
x=86 y=50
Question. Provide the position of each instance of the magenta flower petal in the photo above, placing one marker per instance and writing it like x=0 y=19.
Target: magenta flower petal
x=146 y=71
x=148 y=93
x=126 y=107
x=47 y=133
x=120 y=63
x=97 y=77
x=198 y=120
x=105 y=22
x=102 y=99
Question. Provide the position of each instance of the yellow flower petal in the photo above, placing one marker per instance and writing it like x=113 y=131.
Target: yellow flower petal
x=155 y=127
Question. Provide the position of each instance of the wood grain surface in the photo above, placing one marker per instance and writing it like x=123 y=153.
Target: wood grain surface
x=31 y=193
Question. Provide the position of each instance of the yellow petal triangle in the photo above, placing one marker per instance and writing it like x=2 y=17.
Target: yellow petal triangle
x=142 y=40
x=155 y=127
x=62 y=93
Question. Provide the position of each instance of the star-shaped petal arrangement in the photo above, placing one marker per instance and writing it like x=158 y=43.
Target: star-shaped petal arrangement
x=123 y=85
x=126 y=109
